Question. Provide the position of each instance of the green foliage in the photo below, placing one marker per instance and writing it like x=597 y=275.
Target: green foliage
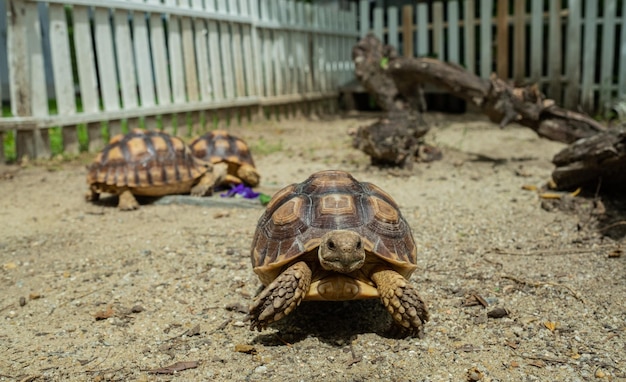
x=263 y=147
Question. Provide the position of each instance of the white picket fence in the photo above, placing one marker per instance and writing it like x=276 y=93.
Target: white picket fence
x=148 y=63
x=575 y=50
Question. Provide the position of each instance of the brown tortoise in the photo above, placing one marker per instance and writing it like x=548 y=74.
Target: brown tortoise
x=148 y=163
x=334 y=238
x=221 y=147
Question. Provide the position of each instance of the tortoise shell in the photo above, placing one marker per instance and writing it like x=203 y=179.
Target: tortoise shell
x=300 y=214
x=219 y=146
x=148 y=163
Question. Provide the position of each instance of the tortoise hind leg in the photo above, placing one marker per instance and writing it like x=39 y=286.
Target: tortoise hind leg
x=281 y=297
x=127 y=201
x=401 y=300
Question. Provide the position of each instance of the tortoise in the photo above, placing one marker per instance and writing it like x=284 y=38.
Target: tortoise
x=334 y=238
x=148 y=163
x=219 y=146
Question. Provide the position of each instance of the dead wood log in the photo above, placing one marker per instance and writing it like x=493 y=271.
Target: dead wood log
x=595 y=162
x=500 y=101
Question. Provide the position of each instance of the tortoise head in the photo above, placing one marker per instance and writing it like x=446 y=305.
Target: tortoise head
x=341 y=251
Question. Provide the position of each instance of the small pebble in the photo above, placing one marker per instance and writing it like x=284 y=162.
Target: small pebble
x=261 y=369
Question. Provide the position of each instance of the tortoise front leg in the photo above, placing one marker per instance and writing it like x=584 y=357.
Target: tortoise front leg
x=401 y=300
x=127 y=201
x=281 y=297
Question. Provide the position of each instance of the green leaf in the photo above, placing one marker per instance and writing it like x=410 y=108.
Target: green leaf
x=264 y=199
x=384 y=62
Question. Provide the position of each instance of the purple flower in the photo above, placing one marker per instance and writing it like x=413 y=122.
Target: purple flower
x=240 y=190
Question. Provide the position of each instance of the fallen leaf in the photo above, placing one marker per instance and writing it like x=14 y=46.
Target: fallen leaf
x=8 y=266
x=104 y=314
x=551 y=326
x=178 y=366
x=615 y=254
x=244 y=348
x=537 y=363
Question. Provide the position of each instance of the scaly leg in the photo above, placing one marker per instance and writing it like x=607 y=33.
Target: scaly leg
x=281 y=297
x=401 y=300
x=127 y=201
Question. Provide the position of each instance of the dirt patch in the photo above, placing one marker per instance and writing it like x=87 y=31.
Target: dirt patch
x=515 y=292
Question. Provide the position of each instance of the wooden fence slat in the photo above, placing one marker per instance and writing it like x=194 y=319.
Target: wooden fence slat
x=238 y=66
x=469 y=30
x=364 y=17
x=438 y=36
x=227 y=60
x=589 y=55
x=423 y=45
x=407 y=31
x=18 y=60
x=144 y=62
x=125 y=60
x=88 y=83
x=378 y=23
x=392 y=22
x=536 y=39
x=189 y=60
x=519 y=40
x=486 y=43
x=502 y=39
x=63 y=80
x=453 y=32
x=573 y=53
x=214 y=58
x=555 y=60
x=105 y=57
x=39 y=102
x=622 y=60
x=4 y=70
x=606 y=56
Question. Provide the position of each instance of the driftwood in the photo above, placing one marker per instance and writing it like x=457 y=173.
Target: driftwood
x=596 y=153
x=597 y=162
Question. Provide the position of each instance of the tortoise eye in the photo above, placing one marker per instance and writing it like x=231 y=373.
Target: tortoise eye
x=358 y=244
x=330 y=244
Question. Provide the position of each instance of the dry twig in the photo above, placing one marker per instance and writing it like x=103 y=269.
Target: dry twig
x=537 y=284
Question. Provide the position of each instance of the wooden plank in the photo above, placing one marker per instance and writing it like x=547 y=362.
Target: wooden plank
x=621 y=87
x=537 y=54
x=378 y=23
x=266 y=38
x=293 y=82
x=125 y=59
x=454 y=48
x=555 y=60
x=215 y=61
x=301 y=62
x=392 y=22
x=61 y=62
x=175 y=56
x=423 y=45
x=189 y=60
x=486 y=38
x=159 y=59
x=88 y=82
x=106 y=66
x=4 y=69
x=277 y=50
x=407 y=31
x=63 y=80
x=227 y=60
x=248 y=46
x=573 y=54
x=589 y=55
x=202 y=52
x=238 y=66
x=438 y=36
x=18 y=60
x=469 y=29
x=39 y=100
x=364 y=17
x=607 y=56
x=502 y=39
x=307 y=22
x=519 y=41
x=144 y=62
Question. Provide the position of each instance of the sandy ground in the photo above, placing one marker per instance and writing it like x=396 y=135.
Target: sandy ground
x=92 y=293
